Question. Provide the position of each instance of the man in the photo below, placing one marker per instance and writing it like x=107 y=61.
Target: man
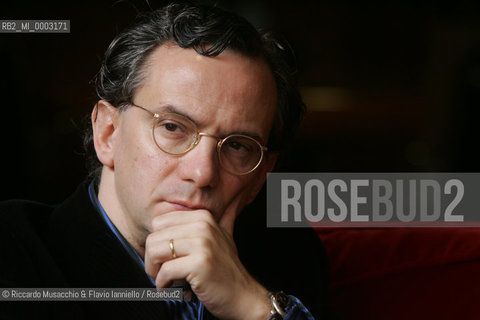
x=194 y=107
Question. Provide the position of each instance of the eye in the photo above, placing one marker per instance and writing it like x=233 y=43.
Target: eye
x=171 y=129
x=237 y=146
x=171 y=126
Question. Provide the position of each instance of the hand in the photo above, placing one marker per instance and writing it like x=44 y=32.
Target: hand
x=207 y=258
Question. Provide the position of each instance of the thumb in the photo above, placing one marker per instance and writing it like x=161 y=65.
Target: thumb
x=227 y=221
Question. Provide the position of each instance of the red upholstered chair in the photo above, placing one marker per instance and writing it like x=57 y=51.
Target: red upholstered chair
x=404 y=273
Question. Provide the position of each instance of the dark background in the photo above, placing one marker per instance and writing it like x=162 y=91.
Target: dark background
x=390 y=86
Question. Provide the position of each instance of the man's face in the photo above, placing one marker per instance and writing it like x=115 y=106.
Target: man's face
x=222 y=95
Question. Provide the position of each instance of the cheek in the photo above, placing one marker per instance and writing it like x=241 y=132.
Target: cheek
x=149 y=166
x=237 y=189
x=138 y=162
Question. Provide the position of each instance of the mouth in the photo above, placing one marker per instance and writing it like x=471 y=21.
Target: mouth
x=184 y=206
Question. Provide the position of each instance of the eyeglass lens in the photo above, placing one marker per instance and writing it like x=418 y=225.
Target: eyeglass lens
x=176 y=134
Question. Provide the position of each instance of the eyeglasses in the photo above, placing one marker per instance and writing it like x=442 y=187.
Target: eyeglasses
x=176 y=135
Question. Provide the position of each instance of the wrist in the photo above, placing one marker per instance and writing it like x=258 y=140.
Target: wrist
x=256 y=306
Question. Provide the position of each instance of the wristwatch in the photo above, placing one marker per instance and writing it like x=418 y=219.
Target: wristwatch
x=279 y=301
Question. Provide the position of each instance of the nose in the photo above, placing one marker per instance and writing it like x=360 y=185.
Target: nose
x=200 y=165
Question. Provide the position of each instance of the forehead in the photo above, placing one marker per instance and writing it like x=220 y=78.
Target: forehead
x=226 y=93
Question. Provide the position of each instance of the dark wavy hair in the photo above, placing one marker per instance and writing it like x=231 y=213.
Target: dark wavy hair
x=209 y=31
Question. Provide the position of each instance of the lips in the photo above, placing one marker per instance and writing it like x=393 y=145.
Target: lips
x=184 y=206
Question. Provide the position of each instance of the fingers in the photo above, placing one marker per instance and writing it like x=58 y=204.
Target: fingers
x=157 y=252
x=203 y=249
x=206 y=257
x=227 y=221
x=172 y=270
x=181 y=218
x=160 y=251
x=192 y=254
x=193 y=243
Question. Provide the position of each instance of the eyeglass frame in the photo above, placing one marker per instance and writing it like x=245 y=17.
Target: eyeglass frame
x=199 y=135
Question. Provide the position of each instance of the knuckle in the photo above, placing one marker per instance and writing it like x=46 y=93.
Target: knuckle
x=151 y=252
x=206 y=227
x=157 y=223
x=205 y=258
x=205 y=243
x=206 y=215
x=165 y=271
x=148 y=241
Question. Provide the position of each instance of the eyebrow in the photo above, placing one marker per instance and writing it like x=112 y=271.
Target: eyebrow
x=169 y=108
x=250 y=134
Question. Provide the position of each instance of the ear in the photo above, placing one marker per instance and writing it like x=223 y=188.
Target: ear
x=104 y=118
x=267 y=165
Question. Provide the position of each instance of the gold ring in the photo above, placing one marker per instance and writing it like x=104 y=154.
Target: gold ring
x=172 y=249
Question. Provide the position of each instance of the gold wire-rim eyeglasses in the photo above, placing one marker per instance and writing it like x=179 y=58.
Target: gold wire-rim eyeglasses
x=196 y=139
